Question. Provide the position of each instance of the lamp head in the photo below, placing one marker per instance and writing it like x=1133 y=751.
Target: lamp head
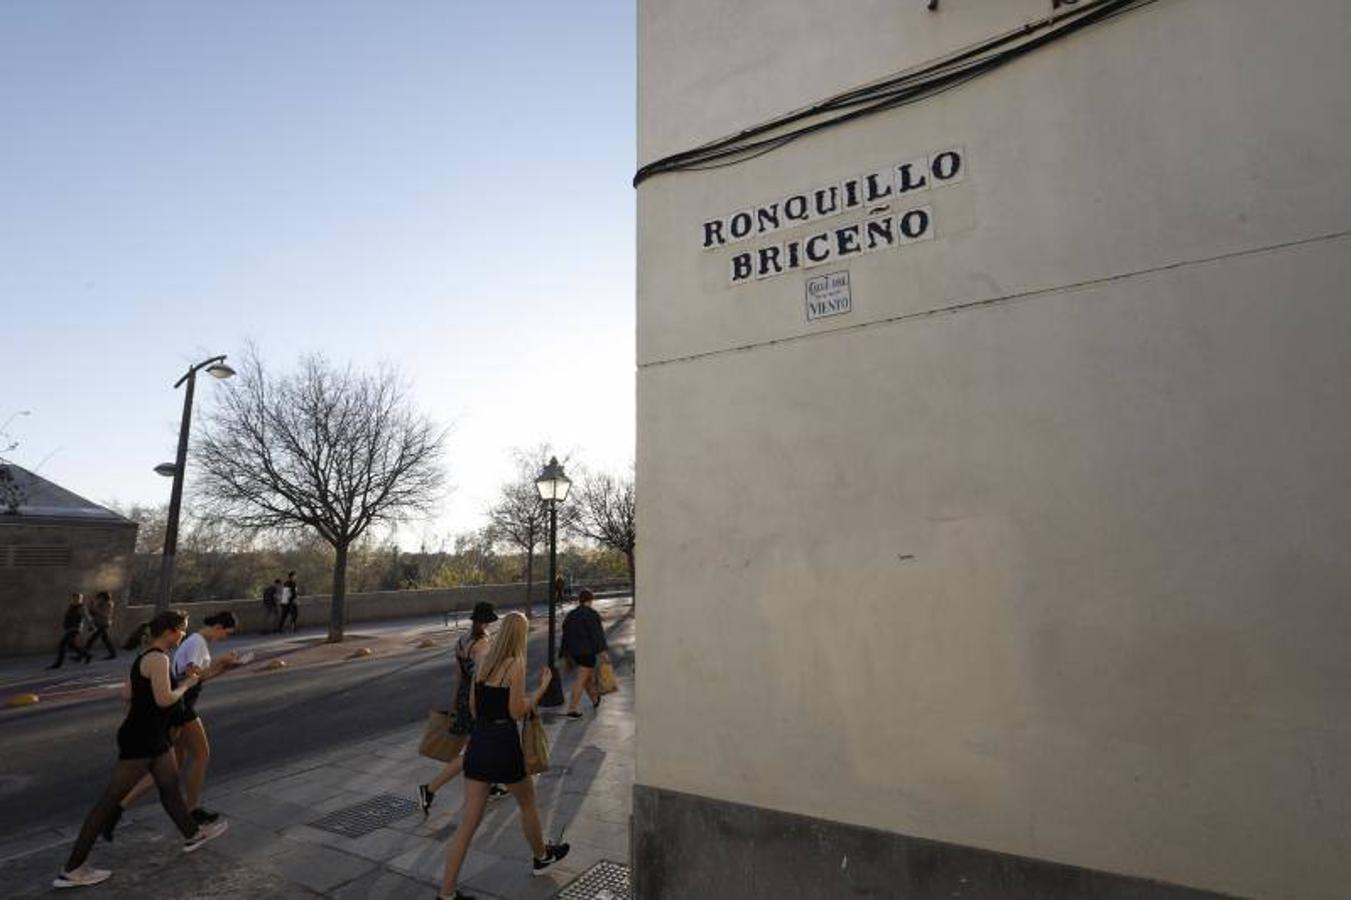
x=168 y=470
x=220 y=370
x=552 y=484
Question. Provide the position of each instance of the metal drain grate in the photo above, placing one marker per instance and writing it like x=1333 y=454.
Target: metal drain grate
x=366 y=816
x=604 y=881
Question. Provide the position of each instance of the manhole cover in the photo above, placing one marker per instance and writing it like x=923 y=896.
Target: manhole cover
x=366 y=816
x=604 y=881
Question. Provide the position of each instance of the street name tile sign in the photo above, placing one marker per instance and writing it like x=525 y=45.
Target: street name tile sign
x=828 y=295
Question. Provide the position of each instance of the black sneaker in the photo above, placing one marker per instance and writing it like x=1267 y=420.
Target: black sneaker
x=203 y=816
x=552 y=854
x=111 y=825
x=205 y=833
x=497 y=791
x=425 y=798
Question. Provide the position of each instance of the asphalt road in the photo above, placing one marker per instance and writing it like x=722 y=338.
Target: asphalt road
x=54 y=762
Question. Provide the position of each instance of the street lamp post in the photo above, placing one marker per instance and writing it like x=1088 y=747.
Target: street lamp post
x=553 y=488
x=3 y=433
x=216 y=367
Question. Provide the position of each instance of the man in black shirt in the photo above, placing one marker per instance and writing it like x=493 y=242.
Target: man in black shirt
x=71 y=627
x=270 y=612
x=583 y=641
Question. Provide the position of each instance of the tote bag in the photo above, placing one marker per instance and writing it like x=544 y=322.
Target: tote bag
x=534 y=745
x=605 y=676
x=437 y=741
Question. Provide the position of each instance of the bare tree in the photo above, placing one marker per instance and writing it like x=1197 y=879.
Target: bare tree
x=605 y=514
x=520 y=518
x=328 y=449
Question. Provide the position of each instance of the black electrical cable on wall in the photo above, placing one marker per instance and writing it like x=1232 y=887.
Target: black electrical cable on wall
x=909 y=87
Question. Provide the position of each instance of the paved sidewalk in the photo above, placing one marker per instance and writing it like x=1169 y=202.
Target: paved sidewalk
x=276 y=848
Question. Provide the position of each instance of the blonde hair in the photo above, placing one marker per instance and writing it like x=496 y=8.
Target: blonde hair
x=508 y=645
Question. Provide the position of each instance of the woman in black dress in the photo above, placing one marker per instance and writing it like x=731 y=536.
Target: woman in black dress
x=583 y=641
x=143 y=746
x=494 y=754
x=469 y=653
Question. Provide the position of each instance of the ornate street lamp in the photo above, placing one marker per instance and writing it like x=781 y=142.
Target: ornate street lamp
x=553 y=487
x=216 y=367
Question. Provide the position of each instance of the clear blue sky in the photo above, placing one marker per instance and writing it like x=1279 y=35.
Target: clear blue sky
x=444 y=185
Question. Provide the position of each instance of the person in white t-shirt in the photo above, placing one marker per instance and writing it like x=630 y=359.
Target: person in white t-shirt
x=193 y=656
x=290 y=602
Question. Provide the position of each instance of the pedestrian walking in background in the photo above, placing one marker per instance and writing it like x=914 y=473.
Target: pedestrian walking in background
x=190 y=747
x=494 y=754
x=70 y=632
x=290 y=603
x=101 y=614
x=583 y=641
x=143 y=746
x=271 y=615
x=470 y=650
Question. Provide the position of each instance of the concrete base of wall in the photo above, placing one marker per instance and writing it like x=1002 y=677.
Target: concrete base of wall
x=690 y=846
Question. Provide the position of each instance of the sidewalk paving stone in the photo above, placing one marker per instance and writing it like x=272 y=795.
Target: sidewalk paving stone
x=319 y=868
x=382 y=885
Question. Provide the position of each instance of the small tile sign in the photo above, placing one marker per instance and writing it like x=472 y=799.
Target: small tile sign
x=828 y=295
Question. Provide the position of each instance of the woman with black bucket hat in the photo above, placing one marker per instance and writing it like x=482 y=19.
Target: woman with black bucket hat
x=469 y=652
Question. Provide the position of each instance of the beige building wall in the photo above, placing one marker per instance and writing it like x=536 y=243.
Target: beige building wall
x=1042 y=548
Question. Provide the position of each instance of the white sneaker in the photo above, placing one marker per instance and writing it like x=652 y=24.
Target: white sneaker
x=205 y=833
x=84 y=875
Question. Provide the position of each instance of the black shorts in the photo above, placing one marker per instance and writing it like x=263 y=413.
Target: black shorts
x=141 y=743
x=182 y=714
x=185 y=710
x=584 y=660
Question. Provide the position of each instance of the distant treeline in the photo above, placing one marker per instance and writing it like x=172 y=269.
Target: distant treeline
x=212 y=564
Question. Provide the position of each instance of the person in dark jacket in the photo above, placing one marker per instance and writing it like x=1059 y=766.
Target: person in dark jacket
x=101 y=613
x=271 y=613
x=583 y=641
x=70 y=627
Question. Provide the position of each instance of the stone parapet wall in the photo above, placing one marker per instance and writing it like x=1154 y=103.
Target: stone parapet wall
x=363 y=606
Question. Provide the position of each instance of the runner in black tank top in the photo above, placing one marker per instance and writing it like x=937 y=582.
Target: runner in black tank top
x=186 y=730
x=143 y=746
x=145 y=731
